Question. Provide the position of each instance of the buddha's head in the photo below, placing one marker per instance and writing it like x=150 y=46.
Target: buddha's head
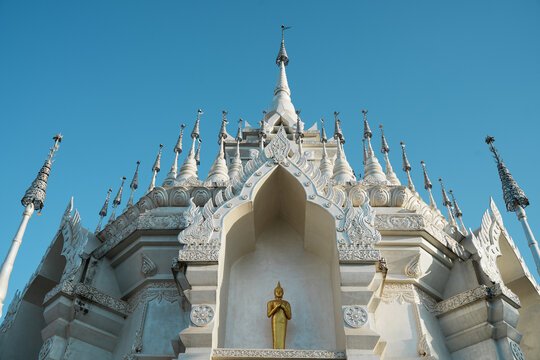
x=278 y=291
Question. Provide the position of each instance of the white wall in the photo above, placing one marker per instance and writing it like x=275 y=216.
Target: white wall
x=280 y=255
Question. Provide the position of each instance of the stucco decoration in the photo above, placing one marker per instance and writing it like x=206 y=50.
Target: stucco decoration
x=355 y=316
x=225 y=354
x=413 y=268
x=356 y=235
x=486 y=243
x=11 y=313
x=45 y=349
x=75 y=239
x=148 y=267
x=516 y=350
x=201 y=315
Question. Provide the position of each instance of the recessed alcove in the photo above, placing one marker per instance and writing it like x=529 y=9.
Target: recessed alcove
x=279 y=236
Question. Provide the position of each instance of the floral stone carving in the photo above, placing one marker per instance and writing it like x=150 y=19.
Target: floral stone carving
x=201 y=315
x=355 y=316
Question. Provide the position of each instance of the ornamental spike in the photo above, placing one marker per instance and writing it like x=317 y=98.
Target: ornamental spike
x=385 y=149
x=282 y=54
x=338 y=134
x=103 y=211
x=299 y=132
x=323 y=132
x=458 y=214
x=155 y=170
x=239 y=132
x=223 y=131
x=198 y=153
x=195 y=131
x=177 y=150
x=134 y=185
x=428 y=186
x=157 y=164
x=37 y=191
x=178 y=146
x=514 y=197
x=117 y=200
x=367 y=130
x=407 y=168
x=447 y=204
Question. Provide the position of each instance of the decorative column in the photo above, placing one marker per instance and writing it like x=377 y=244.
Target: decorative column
x=515 y=200
x=32 y=200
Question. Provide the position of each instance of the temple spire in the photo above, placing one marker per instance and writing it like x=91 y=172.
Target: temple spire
x=458 y=214
x=428 y=186
x=33 y=199
x=103 y=211
x=447 y=204
x=189 y=168
x=407 y=168
x=236 y=164
x=325 y=167
x=515 y=201
x=385 y=149
x=219 y=172
x=155 y=169
x=177 y=151
x=342 y=171
x=372 y=170
x=37 y=191
x=281 y=106
x=134 y=185
x=117 y=200
x=338 y=133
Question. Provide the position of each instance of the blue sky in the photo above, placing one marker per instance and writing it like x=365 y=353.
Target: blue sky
x=118 y=78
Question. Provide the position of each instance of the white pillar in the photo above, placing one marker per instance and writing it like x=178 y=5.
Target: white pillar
x=7 y=266
x=522 y=217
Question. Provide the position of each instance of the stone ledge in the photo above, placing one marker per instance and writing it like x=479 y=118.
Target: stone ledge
x=226 y=354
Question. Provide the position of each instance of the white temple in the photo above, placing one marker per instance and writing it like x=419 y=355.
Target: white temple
x=371 y=270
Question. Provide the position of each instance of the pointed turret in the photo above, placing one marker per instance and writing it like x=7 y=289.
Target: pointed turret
x=372 y=170
x=385 y=149
x=338 y=134
x=342 y=170
x=134 y=185
x=281 y=107
x=103 y=211
x=515 y=201
x=407 y=168
x=513 y=195
x=448 y=205
x=219 y=172
x=37 y=191
x=458 y=214
x=326 y=167
x=177 y=151
x=236 y=164
x=155 y=169
x=261 y=134
x=189 y=168
x=428 y=186
x=117 y=200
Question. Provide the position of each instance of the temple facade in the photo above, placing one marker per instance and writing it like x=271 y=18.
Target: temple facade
x=367 y=268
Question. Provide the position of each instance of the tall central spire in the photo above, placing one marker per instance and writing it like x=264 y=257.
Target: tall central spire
x=281 y=109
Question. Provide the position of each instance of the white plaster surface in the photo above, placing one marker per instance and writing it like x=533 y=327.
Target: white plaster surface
x=279 y=255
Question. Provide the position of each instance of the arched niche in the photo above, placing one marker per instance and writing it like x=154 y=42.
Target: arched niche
x=279 y=236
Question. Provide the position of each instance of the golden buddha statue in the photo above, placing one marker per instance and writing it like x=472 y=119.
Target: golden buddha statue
x=280 y=311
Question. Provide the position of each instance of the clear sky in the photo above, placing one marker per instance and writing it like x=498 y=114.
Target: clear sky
x=118 y=78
